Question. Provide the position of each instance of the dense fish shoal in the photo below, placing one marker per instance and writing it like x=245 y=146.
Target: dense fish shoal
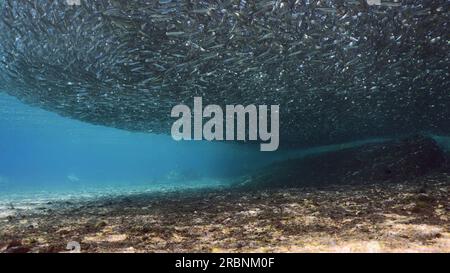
x=340 y=70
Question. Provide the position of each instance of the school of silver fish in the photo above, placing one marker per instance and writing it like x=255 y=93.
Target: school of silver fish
x=340 y=70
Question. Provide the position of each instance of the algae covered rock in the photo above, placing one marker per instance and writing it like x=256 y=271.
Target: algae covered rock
x=397 y=160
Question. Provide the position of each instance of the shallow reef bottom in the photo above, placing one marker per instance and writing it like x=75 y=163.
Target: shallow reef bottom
x=389 y=217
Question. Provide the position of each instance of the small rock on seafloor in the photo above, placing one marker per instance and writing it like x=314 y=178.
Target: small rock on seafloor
x=15 y=246
x=18 y=249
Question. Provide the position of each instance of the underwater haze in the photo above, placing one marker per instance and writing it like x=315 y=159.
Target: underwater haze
x=43 y=152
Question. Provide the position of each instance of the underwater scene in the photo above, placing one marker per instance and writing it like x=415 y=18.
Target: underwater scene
x=224 y=126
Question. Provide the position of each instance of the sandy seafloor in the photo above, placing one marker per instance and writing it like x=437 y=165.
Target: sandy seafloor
x=392 y=217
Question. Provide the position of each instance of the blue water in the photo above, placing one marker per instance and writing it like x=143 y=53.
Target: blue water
x=44 y=154
x=41 y=151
